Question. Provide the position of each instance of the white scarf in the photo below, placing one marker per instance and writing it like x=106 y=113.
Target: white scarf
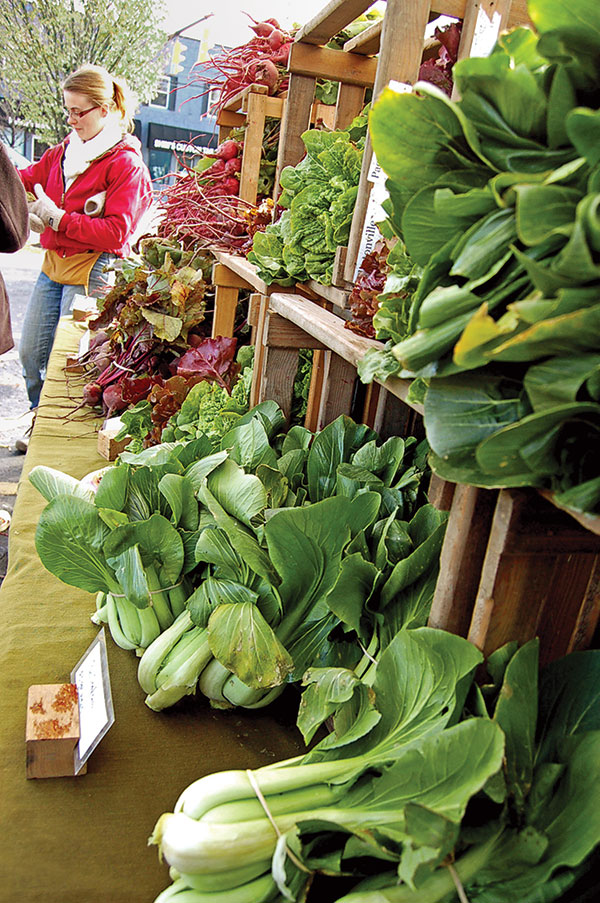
x=79 y=154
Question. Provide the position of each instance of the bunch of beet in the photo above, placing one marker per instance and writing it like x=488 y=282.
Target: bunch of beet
x=261 y=61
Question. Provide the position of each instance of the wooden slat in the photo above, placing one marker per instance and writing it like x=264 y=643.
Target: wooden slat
x=367 y=42
x=259 y=350
x=538 y=578
x=325 y=112
x=247 y=272
x=591 y=522
x=458 y=8
x=328 y=329
x=331 y=293
x=282 y=333
x=400 y=57
x=461 y=559
x=321 y=62
x=223 y=275
x=315 y=389
x=338 y=390
x=235 y=103
x=350 y=102
x=230 y=120
x=472 y=11
x=279 y=372
x=296 y=119
x=331 y=19
x=226 y=301
x=253 y=140
x=440 y=493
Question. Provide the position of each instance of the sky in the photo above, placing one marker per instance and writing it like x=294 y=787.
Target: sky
x=229 y=25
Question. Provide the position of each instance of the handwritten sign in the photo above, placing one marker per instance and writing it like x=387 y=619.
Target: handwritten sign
x=486 y=32
x=96 y=713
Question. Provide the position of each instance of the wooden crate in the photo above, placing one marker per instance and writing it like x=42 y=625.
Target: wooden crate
x=513 y=565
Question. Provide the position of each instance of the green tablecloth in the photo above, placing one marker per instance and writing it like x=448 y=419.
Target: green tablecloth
x=84 y=839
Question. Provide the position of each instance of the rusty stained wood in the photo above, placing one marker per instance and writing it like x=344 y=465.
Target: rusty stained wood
x=227 y=119
x=322 y=62
x=539 y=578
x=332 y=18
x=461 y=559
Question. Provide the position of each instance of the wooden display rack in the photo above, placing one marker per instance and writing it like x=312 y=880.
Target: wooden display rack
x=513 y=565
x=399 y=41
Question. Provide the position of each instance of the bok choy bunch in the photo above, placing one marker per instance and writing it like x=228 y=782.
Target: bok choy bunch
x=453 y=791
x=278 y=582
x=414 y=762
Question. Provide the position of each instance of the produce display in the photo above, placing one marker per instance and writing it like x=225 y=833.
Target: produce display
x=495 y=197
x=242 y=556
x=199 y=533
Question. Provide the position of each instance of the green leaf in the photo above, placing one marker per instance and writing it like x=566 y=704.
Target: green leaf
x=69 y=539
x=352 y=590
x=213 y=592
x=199 y=470
x=179 y=493
x=113 y=489
x=240 y=494
x=332 y=446
x=241 y=639
x=163 y=326
x=51 y=483
x=326 y=689
x=558 y=380
x=157 y=539
x=516 y=713
x=569 y=701
x=249 y=445
x=583 y=128
x=130 y=573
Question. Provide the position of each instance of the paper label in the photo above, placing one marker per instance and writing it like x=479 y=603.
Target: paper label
x=400 y=87
x=375 y=212
x=486 y=33
x=96 y=713
x=84 y=343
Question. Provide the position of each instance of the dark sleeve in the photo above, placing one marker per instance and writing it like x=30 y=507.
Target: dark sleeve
x=14 y=214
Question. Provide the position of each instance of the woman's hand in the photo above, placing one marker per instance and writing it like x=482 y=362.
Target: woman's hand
x=45 y=209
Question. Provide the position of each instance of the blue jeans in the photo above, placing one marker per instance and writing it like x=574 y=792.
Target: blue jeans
x=50 y=301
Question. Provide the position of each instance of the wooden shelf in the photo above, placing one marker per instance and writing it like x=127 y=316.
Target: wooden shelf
x=328 y=329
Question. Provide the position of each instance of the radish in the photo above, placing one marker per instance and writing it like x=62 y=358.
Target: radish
x=275 y=39
x=92 y=395
x=233 y=166
x=228 y=150
x=281 y=56
x=231 y=185
x=264 y=73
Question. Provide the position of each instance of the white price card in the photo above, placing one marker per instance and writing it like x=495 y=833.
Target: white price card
x=486 y=32
x=96 y=713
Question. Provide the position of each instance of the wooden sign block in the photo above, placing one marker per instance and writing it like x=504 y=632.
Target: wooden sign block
x=108 y=447
x=84 y=307
x=73 y=365
x=52 y=730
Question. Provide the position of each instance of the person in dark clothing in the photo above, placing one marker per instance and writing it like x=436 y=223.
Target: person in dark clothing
x=14 y=232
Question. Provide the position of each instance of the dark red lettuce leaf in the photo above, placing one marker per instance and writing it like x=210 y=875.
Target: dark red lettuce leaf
x=213 y=359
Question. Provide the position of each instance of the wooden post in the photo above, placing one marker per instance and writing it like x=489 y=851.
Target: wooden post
x=226 y=302
x=253 y=141
x=338 y=390
x=403 y=32
x=296 y=119
x=461 y=559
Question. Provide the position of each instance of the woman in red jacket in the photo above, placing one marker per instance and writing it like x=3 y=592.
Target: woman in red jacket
x=92 y=190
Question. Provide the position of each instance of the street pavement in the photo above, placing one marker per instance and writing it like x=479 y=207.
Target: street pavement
x=20 y=272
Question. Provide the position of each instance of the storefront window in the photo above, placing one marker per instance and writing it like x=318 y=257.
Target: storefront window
x=160 y=164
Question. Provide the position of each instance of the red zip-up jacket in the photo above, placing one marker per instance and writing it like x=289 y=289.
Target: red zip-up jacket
x=121 y=172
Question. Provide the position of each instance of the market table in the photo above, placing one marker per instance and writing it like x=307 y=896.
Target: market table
x=68 y=840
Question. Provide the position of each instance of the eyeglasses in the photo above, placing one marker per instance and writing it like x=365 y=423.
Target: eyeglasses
x=76 y=115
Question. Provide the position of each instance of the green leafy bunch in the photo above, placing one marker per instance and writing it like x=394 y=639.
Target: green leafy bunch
x=319 y=195
x=496 y=198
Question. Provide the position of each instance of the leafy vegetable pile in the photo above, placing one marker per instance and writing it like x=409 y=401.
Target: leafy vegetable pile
x=319 y=195
x=204 y=398
x=147 y=320
x=447 y=789
x=283 y=551
x=496 y=197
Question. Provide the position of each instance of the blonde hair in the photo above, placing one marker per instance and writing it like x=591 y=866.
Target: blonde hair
x=103 y=88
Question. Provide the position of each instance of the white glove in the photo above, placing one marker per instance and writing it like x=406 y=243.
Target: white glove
x=45 y=209
x=35 y=223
